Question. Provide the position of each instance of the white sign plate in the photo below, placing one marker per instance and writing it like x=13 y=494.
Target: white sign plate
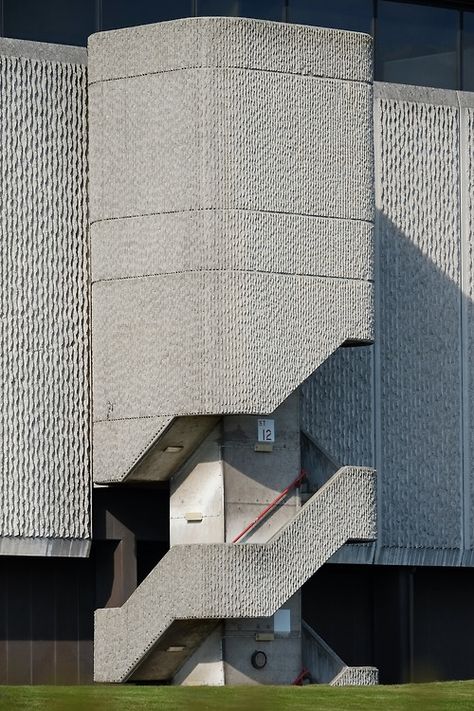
x=266 y=430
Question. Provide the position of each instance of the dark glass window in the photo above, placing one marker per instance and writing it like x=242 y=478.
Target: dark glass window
x=262 y=9
x=468 y=52
x=229 y=8
x=61 y=21
x=353 y=15
x=128 y=13
x=417 y=44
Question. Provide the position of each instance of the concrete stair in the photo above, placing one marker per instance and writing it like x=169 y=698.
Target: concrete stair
x=195 y=583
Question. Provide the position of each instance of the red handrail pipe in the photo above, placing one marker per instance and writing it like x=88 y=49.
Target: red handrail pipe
x=294 y=484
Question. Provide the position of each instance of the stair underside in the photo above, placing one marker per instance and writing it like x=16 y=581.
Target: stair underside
x=174 y=647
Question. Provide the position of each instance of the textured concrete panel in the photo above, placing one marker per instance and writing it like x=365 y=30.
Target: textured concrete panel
x=419 y=327
x=164 y=244
x=467 y=178
x=357 y=676
x=146 y=158
x=224 y=342
x=231 y=214
x=219 y=581
x=43 y=51
x=44 y=479
x=337 y=407
x=231 y=42
x=415 y=399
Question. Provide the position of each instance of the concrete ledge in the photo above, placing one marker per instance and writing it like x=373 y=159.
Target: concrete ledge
x=45 y=547
x=42 y=51
x=392 y=555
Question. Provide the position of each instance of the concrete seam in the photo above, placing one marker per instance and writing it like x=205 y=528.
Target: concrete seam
x=233 y=209
x=233 y=271
x=225 y=67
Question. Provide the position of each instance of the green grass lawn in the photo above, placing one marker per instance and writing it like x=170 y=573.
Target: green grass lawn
x=458 y=696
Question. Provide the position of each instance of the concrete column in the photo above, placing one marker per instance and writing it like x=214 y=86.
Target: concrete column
x=229 y=481
x=253 y=478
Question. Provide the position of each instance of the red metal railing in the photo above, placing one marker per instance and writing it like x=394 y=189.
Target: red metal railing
x=294 y=484
x=304 y=674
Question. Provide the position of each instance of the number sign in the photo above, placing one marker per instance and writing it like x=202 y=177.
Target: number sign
x=266 y=430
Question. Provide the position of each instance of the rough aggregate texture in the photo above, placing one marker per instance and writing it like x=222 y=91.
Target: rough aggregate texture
x=337 y=406
x=230 y=138
x=231 y=214
x=231 y=42
x=120 y=444
x=419 y=327
x=357 y=676
x=218 y=581
x=413 y=396
x=44 y=477
x=228 y=328
x=468 y=224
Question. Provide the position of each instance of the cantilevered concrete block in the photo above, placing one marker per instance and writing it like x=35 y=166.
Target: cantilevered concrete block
x=231 y=217
x=44 y=373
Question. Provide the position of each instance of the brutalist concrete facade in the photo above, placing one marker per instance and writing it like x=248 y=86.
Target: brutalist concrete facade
x=218 y=288
x=230 y=204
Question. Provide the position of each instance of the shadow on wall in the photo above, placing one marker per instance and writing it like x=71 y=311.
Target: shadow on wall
x=410 y=402
x=414 y=623
x=423 y=335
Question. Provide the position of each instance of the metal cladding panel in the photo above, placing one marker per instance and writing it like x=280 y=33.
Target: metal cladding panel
x=44 y=477
x=231 y=214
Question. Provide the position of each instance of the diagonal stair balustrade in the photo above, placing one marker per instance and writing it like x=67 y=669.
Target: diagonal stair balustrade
x=194 y=586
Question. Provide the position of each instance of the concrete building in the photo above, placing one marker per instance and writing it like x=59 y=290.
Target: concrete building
x=236 y=344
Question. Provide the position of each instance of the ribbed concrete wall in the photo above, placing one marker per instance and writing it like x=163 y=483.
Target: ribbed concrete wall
x=467 y=192
x=413 y=396
x=231 y=216
x=218 y=581
x=44 y=403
